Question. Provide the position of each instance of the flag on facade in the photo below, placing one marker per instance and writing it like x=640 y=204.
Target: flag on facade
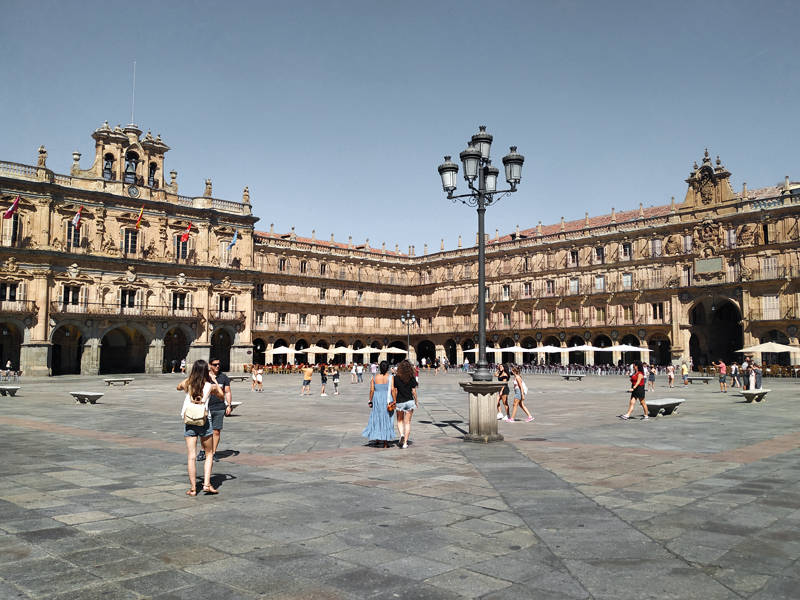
x=233 y=241
x=185 y=236
x=10 y=212
x=139 y=220
x=76 y=221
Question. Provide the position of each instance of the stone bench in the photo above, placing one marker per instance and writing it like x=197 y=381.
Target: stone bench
x=84 y=397
x=578 y=377
x=755 y=395
x=665 y=406
x=703 y=378
x=239 y=377
x=122 y=380
x=8 y=390
x=234 y=404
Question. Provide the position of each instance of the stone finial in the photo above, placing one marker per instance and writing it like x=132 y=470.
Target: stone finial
x=383 y=248
x=641 y=210
x=539 y=228
x=496 y=235
x=744 y=190
x=672 y=205
x=207 y=192
x=350 y=242
x=332 y=239
x=293 y=235
x=586 y=223
x=173 y=175
x=786 y=187
x=412 y=250
x=425 y=251
x=42 y=160
x=246 y=195
x=272 y=228
x=76 y=158
x=517 y=231
x=613 y=215
x=397 y=248
x=459 y=241
x=366 y=244
x=442 y=246
x=562 y=224
x=313 y=235
x=409 y=251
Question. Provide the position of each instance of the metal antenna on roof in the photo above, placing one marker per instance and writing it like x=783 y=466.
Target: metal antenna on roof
x=133 y=100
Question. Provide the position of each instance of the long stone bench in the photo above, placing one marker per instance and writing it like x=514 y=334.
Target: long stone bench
x=578 y=377
x=84 y=397
x=755 y=395
x=8 y=390
x=702 y=378
x=234 y=404
x=122 y=380
x=666 y=406
x=239 y=377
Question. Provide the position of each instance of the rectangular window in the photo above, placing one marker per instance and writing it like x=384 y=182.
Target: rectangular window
x=282 y=265
x=655 y=248
x=551 y=317
x=573 y=286
x=600 y=316
x=224 y=304
x=656 y=280
x=323 y=269
x=527 y=264
x=322 y=294
x=599 y=255
x=10 y=235
x=687 y=244
x=506 y=266
x=360 y=296
x=303 y=267
x=450 y=273
x=575 y=316
x=573 y=258
x=281 y=318
x=342 y=272
x=507 y=319
x=467 y=271
x=769 y=267
x=767 y=237
x=178 y=301
x=627 y=252
x=733 y=272
x=600 y=283
x=260 y=318
x=627 y=281
x=130 y=241
x=771 y=308
x=550 y=287
x=8 y=292
x=181 y=249
x=658 y=311
x=527 y=289
x=506 y=292
x=627 y=312
x=686 y=277
x=224 y=254
x=73 y=236
x=71 y=294
x=127 y=298
x=528 y=318
x=303 y=320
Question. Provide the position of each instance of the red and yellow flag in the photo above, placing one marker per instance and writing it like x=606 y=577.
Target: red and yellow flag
x=139 y=220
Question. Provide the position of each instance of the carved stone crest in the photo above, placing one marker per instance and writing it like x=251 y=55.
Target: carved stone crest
x=706 y=188
x=11 y=265
x=181 y=279
x=226 y=282
x=673 y=245
x=73 y=270
x=130 y=275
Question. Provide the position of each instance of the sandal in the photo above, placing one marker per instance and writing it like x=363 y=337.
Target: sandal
x=210 y=490
x=192 y=492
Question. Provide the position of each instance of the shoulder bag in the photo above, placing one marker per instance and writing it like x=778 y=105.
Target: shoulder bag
x=392 y=404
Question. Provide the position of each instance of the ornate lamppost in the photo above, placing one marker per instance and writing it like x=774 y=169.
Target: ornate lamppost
x=408 y=320
x=478 y=165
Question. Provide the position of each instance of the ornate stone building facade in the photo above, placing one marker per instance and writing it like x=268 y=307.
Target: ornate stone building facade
x=127 y=290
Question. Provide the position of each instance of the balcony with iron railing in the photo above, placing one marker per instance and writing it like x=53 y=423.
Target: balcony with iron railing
x=228 y=316
x=775 y=314
x=18 y=307
x=131 y=312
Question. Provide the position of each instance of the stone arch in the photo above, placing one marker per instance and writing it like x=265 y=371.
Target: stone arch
x=783 y=359
x=177 y=339
x=426 y=349
x=190 y=333
x=222 y=339
x=529 y=357
x=507 y=357
x=340 y=357
x=124 y=348
x=12 y=336
x=144 y=330
x=603 y=356
x=576 y=357
x=552 y=358
x=450 y=351
x=278 y=358
x=301 y=357
x=661 y=349
x=259 y=351
x=80 y=325
x=66 y=349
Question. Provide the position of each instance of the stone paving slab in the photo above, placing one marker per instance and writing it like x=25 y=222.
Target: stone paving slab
x=577 y=504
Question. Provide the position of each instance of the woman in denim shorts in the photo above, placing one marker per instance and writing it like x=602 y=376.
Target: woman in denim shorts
x=404 y=392
x=199 y=386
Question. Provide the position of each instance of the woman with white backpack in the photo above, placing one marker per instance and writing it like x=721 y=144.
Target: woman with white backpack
x=520 y=389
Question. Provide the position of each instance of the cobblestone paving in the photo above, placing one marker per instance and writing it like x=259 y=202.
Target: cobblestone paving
x=578 y=504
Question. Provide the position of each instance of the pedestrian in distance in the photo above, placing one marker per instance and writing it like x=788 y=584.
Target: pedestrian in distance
x=174 y=364
x=360 y=373
x=308 y=371
x=671 y=376
x=253 y=378
x=520 y=389
x=218 y=409
x=637 y=390
x=404 y=393
x=651 y=377
x=260 y=378
x=353 y=373
x=380 y=426
x=199 y=387
x=335 y=381
x=183 y=365
x=723 y=376
x=735 y=375
x=685 y=374
x=502 y=396
x=323 y=375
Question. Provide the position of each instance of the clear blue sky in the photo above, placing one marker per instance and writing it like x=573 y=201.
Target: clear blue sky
x=337 y=113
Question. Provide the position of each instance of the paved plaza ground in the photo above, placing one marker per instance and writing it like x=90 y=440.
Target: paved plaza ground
x=577 y=504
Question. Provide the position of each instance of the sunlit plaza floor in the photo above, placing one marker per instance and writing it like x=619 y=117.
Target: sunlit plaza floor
x=576 y=504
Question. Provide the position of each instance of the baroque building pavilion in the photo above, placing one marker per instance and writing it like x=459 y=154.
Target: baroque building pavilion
x=147 y=276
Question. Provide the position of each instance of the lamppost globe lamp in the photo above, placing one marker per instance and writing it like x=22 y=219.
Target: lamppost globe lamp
x=471 y=159
x=490 y=175
x=513 y=164
x=483 y=142
x=448 y=170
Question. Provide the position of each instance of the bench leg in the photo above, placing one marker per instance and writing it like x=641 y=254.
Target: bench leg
x=92 y=400
x=14 y=393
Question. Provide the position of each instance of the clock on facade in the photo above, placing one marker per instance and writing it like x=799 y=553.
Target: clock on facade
x=133 y=191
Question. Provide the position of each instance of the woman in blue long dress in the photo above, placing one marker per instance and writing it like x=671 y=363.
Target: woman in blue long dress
x=381 y=422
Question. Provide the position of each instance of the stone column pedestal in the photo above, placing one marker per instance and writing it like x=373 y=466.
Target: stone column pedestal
x=482 y=411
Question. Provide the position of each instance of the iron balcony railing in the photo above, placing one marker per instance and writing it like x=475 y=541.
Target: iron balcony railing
x=144 y=312
x=18 y=307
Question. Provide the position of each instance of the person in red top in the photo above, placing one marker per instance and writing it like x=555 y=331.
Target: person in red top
x=637 y=390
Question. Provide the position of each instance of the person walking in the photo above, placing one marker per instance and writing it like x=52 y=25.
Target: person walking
x=502 y=396
x=217 y=409
x=466 y=364
x=308 y=371
x=404 y=393
x=360 y=373
x=260 y=378
x=174 y=364
x=199 y=387
x=380 y=426
x=671 y=376
x=253 y=378
x=323 y=375
x=336 y=381
x=685 y=374
x=735 y=375
x=183 y=365
x=519 y=396
x=723 y=376
x=637 y=390
x=651 y=377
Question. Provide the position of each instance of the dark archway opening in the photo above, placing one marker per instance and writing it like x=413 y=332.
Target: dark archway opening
x=10 y=345
x=576 y=357
x=529 y=357
x=450 y=351
x=660 y=350
x=301 y=357
x=782 y=359
x=553 y=358
x=123 y=350
x=221 y=348
x=176 y=348
x=259 y=351
x=67 y=350
x=426 y=350
x=277 y=357
x=601 y=356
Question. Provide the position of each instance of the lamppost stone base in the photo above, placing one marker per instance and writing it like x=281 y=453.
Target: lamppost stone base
x=482 y=411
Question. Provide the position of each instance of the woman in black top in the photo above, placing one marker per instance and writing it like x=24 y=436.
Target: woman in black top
x=503 y=375
x=404 y=393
